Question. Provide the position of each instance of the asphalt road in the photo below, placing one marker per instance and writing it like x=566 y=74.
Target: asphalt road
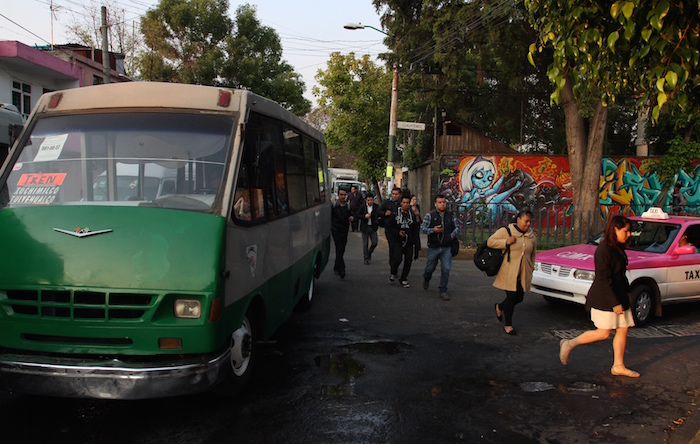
x=372 y=362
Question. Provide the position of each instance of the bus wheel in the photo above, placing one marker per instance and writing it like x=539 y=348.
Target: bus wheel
x=642 y=304
x=242 y=358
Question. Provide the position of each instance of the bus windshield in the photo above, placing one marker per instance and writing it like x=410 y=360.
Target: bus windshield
x=169 y=160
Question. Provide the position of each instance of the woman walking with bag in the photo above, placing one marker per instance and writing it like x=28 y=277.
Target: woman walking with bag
x=515 y=274
x=608 y=298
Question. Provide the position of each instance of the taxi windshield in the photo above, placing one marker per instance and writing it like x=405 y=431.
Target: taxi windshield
x=168 y=160
x=650 y=236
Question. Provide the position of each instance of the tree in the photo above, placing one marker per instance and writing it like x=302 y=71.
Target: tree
x=184 y=40
x=599 y=52
x=356 y=97
x=663 y=39
x=461 y=58
x=255 y=62
x=194 y=41
x=86 y=30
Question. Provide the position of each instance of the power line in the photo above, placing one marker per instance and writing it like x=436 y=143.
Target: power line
x=23 y=28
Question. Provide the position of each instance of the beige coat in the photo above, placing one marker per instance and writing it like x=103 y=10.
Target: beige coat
x=522 y=258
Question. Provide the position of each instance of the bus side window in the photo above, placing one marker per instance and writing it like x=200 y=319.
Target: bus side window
x=311 y=172
x=294 y=161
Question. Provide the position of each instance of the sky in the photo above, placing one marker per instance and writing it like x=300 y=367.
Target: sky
x=309 y=29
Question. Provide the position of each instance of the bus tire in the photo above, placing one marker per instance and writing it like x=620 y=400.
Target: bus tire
x=642 y=304
x=242 y=357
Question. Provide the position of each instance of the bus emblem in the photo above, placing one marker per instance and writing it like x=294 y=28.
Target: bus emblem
x=82 y=232
x=252 y=254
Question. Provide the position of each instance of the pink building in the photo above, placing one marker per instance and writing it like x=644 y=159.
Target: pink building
x=26 y=72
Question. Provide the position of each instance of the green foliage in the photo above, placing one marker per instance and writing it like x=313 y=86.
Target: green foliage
x=194 y=41
x=462 y=58
x=185 y=39
x=356 y=96
x=414 y=154
x=255 y=62
x=648 y=48
x=679 y=157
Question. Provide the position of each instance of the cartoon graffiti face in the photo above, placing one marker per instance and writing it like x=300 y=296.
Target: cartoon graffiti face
x=482 y=178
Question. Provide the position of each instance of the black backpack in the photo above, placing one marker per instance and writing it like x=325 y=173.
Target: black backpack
x=489 y=259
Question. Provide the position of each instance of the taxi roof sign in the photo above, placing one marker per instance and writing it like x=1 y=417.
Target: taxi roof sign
x=655 y=213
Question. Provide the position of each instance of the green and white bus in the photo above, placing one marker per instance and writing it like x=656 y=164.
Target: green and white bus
x=152 y=234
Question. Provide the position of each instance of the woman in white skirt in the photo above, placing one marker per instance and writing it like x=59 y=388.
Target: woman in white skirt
x=608 y=298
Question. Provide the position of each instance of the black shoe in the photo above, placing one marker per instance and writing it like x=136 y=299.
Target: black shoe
x=512 y=332
x=342 y=275
x=425 y=284
x=392 y=278
x=499 y=317
x=366 y=261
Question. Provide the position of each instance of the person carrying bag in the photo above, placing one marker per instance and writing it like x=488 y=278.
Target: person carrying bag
x=515 y=275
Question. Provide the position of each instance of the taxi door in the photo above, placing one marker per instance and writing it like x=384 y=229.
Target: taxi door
x=684 y=269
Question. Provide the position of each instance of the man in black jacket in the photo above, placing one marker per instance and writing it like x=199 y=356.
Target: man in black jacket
x=340 y=224
x=368 y=226
x=387 y=211
x=401 y=232
x=355 y=201
x=441 y=226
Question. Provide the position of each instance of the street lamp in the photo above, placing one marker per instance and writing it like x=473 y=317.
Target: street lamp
x=392 y=113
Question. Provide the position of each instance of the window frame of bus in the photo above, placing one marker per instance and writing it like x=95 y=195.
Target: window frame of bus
x=273 y=154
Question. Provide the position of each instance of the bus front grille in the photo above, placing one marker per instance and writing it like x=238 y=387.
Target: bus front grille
x=78 y=305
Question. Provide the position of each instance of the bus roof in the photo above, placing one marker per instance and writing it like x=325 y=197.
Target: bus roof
x=154 y=95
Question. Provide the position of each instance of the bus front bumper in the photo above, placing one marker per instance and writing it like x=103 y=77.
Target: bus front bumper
x=109 y=378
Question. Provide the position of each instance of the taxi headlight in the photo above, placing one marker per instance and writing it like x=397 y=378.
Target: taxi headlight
x=188 y=308
x=537 y=266
x=586 y=275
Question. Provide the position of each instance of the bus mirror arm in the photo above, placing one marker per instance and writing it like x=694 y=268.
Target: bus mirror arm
x=226 y=274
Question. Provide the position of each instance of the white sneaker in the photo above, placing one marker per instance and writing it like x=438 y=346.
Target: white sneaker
x=392 y=278
x=405 y=284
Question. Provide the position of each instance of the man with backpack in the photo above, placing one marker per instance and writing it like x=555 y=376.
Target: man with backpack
x=442 y=227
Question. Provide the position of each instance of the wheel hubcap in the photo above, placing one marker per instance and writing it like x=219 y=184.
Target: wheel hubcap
x=241 y=348
x=643 y=306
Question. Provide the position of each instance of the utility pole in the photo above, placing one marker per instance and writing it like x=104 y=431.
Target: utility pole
x=105 y=51
x=392 y=127
x=392 y=111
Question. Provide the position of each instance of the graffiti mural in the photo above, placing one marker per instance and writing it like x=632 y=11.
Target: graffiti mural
x=494 y=188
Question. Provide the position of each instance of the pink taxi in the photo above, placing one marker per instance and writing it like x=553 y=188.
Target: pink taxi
x=664 y=265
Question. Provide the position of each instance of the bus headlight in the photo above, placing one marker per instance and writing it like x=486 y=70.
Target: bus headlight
x=537 y=266
x=586 y=275
x=188 y=308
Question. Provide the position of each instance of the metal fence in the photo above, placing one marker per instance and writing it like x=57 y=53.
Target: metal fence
x=554 y=227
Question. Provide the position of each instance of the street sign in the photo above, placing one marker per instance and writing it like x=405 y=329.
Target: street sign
x=411 y=126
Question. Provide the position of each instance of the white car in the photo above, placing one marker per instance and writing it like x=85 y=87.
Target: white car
x=661 y=270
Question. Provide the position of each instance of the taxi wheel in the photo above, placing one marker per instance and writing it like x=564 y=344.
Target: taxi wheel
x=642 y=304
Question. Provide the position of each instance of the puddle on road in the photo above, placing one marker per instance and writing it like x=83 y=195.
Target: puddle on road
x=345 y=368
x=576 y=387
x=348 y=369
x=379 y=347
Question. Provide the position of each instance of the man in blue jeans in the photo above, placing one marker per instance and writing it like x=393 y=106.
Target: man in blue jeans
x=441 y=226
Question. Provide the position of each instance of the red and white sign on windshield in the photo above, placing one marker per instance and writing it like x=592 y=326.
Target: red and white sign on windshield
x=38 y=188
